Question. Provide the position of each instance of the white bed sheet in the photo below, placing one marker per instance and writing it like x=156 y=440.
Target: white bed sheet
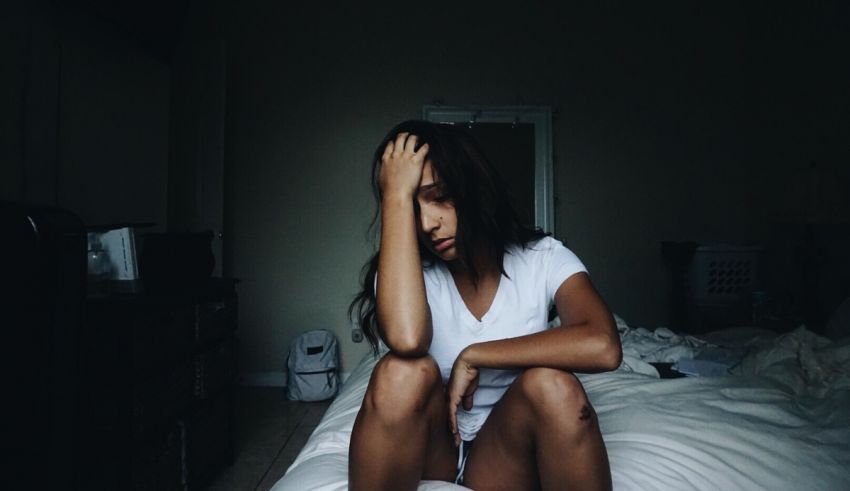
x=783 y=422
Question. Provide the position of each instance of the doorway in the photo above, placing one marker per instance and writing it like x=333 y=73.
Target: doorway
x=510 y=148
x=517 y=141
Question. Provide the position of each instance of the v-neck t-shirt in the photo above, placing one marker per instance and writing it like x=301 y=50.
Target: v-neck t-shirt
x=521 y=306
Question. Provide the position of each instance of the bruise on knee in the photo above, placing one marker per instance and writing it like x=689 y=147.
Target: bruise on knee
x=586 y=414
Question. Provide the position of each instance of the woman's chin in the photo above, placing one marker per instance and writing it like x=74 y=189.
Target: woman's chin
x=447 y=255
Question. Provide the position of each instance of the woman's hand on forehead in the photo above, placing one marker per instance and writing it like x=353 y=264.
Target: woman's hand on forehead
x=401 y=166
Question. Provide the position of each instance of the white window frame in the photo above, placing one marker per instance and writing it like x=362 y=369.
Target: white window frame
x=541 y=118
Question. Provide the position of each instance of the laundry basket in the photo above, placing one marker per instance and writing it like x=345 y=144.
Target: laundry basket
x=718 y=284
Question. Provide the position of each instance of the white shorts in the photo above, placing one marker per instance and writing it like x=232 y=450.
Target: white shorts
x=462 y=455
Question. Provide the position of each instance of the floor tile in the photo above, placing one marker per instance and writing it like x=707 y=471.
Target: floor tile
x=270 y=432
x=287 y=456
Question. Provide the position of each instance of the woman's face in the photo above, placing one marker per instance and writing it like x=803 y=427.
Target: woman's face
x=437 y=225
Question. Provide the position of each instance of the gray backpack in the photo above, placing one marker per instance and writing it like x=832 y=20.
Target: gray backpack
x=312 y=367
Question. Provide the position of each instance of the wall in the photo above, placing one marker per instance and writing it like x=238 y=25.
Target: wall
x=88 y=122
x=674 y=122
x=197 y=139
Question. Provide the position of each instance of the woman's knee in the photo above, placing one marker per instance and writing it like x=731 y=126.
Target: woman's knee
x=551 y=391
x=402 y=386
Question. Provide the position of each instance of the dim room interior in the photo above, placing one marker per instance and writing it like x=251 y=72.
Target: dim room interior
x=694 y=156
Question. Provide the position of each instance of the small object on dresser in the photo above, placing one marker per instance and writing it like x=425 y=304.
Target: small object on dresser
x=97 y=267
x=119 y=246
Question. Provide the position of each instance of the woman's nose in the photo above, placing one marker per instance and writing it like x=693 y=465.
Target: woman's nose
x=428 y=221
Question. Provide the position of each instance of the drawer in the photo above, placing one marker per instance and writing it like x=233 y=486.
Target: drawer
x=215 y=369
x=162 y=337
x=214 y=320
x=158 y=461
x=159 y=399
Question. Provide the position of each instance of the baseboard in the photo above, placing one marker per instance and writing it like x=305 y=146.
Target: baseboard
x=273 y=379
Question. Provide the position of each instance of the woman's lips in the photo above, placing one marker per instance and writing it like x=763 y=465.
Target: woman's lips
x=443 y=244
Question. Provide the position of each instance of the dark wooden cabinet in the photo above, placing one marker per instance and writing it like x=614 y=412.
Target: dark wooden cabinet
x=157 y=396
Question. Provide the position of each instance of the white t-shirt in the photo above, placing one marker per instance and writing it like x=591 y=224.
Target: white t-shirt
x=521 y=306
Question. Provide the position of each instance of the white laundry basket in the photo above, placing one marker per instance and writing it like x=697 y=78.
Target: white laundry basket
x=718 y=284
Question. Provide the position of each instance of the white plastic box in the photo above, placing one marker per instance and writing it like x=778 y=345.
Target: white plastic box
x=721 y=274
x=718 y=285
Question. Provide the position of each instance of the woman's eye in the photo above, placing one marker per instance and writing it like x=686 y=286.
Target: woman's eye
x=435 y=195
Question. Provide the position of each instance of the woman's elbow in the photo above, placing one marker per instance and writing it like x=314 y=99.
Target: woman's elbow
x=411 y=346
x=610 y=350
x=406 y=336
x=410 y=351
x=612 y=354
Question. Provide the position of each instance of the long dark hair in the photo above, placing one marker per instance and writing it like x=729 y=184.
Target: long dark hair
x=485 y=217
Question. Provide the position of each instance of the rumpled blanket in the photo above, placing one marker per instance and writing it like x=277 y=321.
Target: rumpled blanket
x=800 y=361
x=642 y=347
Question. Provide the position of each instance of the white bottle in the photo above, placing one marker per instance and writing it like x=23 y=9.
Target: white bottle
x=98 y=267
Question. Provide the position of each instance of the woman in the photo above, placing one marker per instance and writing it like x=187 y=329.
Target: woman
x=460 y=292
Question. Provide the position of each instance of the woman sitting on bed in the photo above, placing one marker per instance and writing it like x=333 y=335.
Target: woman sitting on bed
x=460 y=292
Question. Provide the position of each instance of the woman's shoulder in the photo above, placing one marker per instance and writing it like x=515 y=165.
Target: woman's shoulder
x=546 y=242
x=537 y=246
x=544 y=252
x=549 y=262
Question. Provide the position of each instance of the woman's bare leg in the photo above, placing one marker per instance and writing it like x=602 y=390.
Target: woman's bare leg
x=543 y=434
x=401 y=434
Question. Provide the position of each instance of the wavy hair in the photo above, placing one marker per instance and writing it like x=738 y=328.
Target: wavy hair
x=486 y=221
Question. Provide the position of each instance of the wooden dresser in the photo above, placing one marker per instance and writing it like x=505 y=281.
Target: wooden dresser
x=157 y=392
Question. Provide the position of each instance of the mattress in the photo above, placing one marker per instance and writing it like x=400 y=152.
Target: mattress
x=779 y=420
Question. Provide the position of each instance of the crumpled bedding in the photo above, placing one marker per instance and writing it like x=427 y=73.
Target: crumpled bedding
x=800 y=360
x=780 y=422
x=642 y=347
x=803 y=362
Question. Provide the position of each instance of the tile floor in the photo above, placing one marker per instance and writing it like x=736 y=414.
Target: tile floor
x=270 y=431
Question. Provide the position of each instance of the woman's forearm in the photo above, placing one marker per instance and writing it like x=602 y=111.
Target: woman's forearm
x=584 y=348
x=403 y=314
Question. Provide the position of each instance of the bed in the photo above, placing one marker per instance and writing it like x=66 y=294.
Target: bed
x=779 y=420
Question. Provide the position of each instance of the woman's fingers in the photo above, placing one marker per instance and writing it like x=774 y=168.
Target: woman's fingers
x=423 y=151
x=410 y=144
x=467 y=399
x=454 y=399
x=467 y=402
x=398 y=148
x=404 y=143
x=388 y=151
x=401 y=165
x=453 y=423
x=461 y=388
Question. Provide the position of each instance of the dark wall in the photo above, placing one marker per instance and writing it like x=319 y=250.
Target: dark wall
x=87 y=116
x=674 y=121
